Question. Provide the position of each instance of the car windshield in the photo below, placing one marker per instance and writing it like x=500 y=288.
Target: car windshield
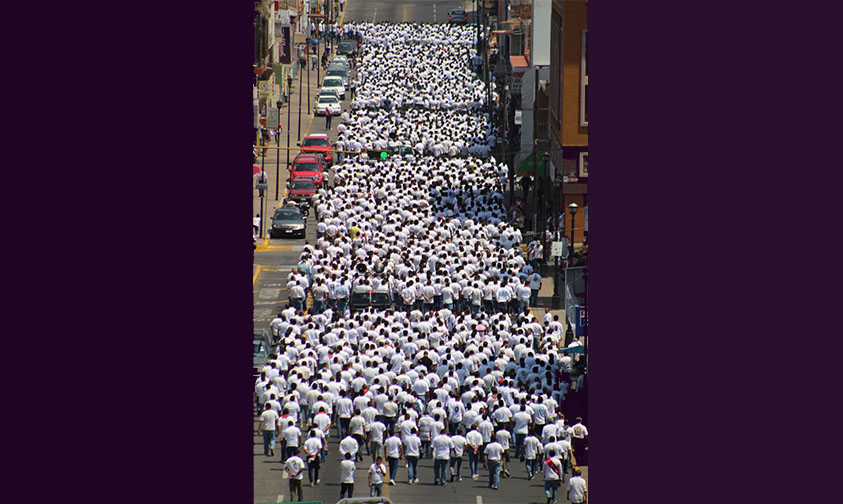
x=346 y=45
x=457 y=12
x=328 y=99
x=360 y=298
x=315 y=141
x=287 y=215
x=305 y=167
x=332 y=82
x=335 y=71
x=380 y=298
x=303 y=184
x=259 y=348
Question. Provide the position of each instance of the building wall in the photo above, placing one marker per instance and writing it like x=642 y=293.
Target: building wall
x=574 y=20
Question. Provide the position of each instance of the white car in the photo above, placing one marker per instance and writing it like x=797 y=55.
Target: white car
x=327 y=101
x=334 y=83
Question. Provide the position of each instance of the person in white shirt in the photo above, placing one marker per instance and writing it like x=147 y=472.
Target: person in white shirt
x=347 y=468
x=579 y=441
x=392 y=451
x=294 y=466
x=349 y=445
x=376 y=430
x=532 y=449
x=474 y=441
x=292 y=437
x=267 y=426
x=577 y=488
x=552 y=476
x=312 y=449
x=442 y=446
x=377 y=472
x=494 y=452
x=456 y=454
x=412 y=450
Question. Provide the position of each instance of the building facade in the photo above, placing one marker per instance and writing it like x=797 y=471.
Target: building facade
x=568 y=112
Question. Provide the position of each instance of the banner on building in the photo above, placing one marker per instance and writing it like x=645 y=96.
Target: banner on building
x=284 y=51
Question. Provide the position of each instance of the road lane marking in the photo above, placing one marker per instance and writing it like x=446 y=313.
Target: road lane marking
x=280 y=497
x=479 y=500
x=434 y=13
x=256 y=276
x=374 y=15
x=404 y=19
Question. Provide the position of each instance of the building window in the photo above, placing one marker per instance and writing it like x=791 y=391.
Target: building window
x=583 y=168
x=584 y=81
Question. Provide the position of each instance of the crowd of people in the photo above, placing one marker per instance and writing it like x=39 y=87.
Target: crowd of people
x=458 y=367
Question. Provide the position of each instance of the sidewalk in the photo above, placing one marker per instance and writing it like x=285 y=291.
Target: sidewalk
x=275 y=160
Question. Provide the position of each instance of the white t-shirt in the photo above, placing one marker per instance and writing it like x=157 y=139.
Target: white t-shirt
x=522 y=421
x=577 y=488
x=377 y=473
x=268 y=420
x=313 y=445
x=348 y=445
x=393 y=445
x=532 y=447
x=377 y=429
x=412 y=444
x=549 y=473
x=347 y=468
x=493 y=451
x=295 y=465
x=291 y=434
x=442 y=445
x=459 y=445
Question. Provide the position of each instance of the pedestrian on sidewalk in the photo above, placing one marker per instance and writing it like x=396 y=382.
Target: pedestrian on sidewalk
x=295 y=469
x=347 y=468
x=256 y=222
x=577 y=488
x=377 y=472
x=313 y=61
x=328 y=117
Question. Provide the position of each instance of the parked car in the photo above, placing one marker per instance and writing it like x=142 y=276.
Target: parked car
x=363 y=296
x=326 y=101
x=309 y=166
x=347 y=47
x=341 y=59
x=328 y=92
x=263 y=348
x=319 y=143
x=338 y=71
x=288 y=221
x=336 y=84
x=301 y=192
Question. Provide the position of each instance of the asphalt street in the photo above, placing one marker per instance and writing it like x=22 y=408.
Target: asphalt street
x=273 y=260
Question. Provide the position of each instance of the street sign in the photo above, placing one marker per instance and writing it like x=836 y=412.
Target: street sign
x=559 y=248
x=582 y=318
x=272 y=118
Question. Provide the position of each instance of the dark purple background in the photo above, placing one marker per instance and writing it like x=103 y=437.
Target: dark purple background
x=700 y=124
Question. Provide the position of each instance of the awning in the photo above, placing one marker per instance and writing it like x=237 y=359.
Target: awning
x=525 y=167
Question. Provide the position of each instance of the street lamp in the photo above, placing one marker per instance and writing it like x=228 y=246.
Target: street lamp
x=289 y=92
x=573 y=209
x=298 y=130
x=277 y=154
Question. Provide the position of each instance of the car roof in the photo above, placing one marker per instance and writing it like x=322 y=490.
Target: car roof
x=306 y=156
x=317 y=135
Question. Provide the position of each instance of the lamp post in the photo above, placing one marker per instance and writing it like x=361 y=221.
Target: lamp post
x=277 y=154
x=573 y=209
x=289 y=91
x=298 y=130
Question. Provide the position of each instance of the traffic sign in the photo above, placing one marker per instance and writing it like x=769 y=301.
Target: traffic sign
x=559 y=248
x=272 y=118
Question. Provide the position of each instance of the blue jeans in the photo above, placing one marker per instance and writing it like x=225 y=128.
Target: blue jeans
x=412 y=467
x=475 y=309
x=268 y=441
x=494 y=473
x=376 y=490
x=317 y=307
x=534 y=296
x=440 y=470
x=456 y=465
x=341 y=305
x=393 y=467
x=376 y=449
x=551 y=487
x=519 y=443
x=425 y=446
x=531 y=466
x=473 y=462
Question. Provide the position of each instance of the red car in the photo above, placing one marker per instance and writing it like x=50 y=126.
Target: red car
x=307 y=166
x=319 y=143
x=301 y=192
